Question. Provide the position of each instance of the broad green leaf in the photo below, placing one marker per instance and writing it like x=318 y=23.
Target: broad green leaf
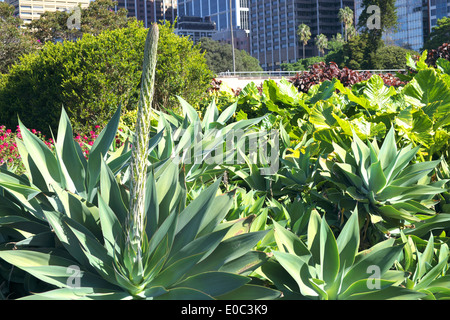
x=42 y=157
x=348 y=241
x=289 y=242
x=73 y=163
x=214 y=283
x=100 y=149
x=329 y=254
x=298 y=270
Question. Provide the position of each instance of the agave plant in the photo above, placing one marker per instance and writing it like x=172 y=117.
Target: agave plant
x=327 y=268
x=427 y=263
x=140 y=239
x=382 y=181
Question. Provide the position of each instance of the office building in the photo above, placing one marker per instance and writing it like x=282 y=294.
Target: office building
x=150 y=11
x=195 y=27
x=29 y=10
x=240 y=38
x=219 y=11
x=416 y=18
x=273 y=28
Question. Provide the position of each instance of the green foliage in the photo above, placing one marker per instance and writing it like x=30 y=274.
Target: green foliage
x=329 y=268
x=439 y=34
x=391 y=57
x=219 y=57
x=13 y=41
x=92 y=76
x=96 y=18
x=184 y=253
x=357 y=206
x=382 y=182
x=182 y=70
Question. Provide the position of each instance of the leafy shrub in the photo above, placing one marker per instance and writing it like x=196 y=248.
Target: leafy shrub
x=92 y=76
x=441 y=52
x=321 y=72
x=391 y=57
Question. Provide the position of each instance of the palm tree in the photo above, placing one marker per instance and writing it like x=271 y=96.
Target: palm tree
x=304 y=33
x=321 y=43
x=346 y=17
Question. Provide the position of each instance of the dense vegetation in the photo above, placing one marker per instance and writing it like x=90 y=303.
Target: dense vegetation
x=336 y=192
x=93 y=75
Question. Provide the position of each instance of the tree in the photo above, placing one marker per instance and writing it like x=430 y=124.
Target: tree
x=377 y=17
x=219 y=57
x=346 y=17
x=439 y=35
x=96 y=18
x=391 y=57
x=14 y=41
x=321 y=43
x=304 y=34
x=92 y=76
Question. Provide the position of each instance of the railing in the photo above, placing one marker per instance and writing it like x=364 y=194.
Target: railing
x=271 y=74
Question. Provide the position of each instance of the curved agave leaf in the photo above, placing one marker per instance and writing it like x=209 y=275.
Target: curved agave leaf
x=334 y=269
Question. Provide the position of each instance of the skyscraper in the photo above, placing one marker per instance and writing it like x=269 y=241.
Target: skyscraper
x=416 y=18
x=29 y=10
x=150 y=11
x=219 y=11
x=273 y=30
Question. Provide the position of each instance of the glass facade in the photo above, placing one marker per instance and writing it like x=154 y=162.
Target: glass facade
x=416 y=19
x=274 y=25
x=218 y=10
x=410 y=25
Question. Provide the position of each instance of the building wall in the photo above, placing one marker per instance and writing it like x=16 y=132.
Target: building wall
x=219 y=11
x=150 y=11
x=273 y=31
x=416 y=19
x=32 y=9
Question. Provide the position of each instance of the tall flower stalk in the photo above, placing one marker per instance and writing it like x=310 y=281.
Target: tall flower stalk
x=139 y=156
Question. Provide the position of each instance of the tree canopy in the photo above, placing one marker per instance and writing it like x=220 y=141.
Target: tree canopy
x=219 y=57
x=14 y=41
x=439 y=35
x=97 y=17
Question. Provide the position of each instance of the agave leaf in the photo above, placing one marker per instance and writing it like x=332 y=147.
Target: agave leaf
x=172 y=274
x=42 y=157
x=413 y=173
x=329 y=254
x=251 y=292
x=290 y=243
x=228 y=250
x=317 y=285
x=348 y=241
x=51 y=268
x=380 y=256
x=246 y=264
x=74 y=164
x=112 y=229
x=110 y=193
x=314 y=236
x=211 y=115
x=86 y=293
x=360 y=287
x=184 y=294
x=99 y=150
x=189 y=111
x=390 y=293
x=191 y=219
x=298 y=270
x=438 y=222
x=214 y=283
x=227 y=113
